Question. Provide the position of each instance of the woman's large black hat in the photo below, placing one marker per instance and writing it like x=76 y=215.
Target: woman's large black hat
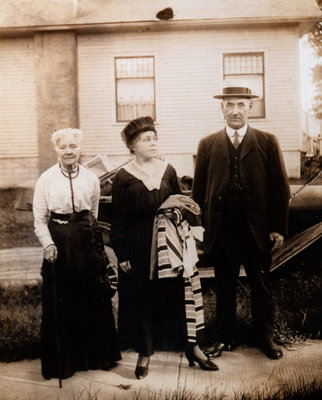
x=135 y=127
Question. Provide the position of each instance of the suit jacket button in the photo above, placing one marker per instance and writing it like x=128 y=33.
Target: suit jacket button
x=219 y=198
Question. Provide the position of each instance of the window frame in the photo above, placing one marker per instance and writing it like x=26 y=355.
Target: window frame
x=263 y=75
x=116 y=79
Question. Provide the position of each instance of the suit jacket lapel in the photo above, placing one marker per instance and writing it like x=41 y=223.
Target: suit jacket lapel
x=221 y=146
x=248 y=143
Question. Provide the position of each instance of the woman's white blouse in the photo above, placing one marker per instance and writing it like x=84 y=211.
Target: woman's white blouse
x=53 y=194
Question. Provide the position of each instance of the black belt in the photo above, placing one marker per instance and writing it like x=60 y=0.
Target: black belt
x=76 y=216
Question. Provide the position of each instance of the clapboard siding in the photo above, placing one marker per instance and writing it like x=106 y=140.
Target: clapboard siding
x=18 y=119
x=188 y=73
x=15 y=171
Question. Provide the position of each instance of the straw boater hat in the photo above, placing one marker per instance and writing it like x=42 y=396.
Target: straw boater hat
x=232 y=91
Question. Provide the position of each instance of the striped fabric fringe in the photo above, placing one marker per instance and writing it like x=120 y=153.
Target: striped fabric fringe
x=172 y=241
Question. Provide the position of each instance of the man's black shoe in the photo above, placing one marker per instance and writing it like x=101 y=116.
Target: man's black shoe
x=217 y=349
x=271 y=350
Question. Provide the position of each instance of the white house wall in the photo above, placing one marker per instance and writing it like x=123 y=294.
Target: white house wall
x=18 y=118
x=188 y=68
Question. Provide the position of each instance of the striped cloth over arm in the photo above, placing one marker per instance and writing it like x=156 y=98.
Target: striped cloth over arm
x=171 y=242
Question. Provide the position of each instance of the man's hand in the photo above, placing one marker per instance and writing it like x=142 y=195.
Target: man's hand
x=50 y=253
x=125 y=266
x=277 y=238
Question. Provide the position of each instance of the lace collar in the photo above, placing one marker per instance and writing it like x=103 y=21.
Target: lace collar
x=150 y=181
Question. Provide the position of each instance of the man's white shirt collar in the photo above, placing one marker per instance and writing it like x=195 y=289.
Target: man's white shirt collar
x=241 y=132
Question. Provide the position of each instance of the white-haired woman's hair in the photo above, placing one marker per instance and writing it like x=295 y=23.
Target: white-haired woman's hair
x=60 y=133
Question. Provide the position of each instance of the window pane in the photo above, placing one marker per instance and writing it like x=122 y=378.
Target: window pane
x=135 y=98
x=134 y=87
x=243 y=64
x=134 y=67
x=258 y=109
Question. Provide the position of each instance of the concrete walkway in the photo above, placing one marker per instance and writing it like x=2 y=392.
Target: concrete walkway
x=20 y=265
x=245 y=370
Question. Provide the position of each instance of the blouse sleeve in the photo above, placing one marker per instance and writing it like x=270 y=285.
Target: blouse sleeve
x=95 y=197
x=40 y=211
x=118 y=220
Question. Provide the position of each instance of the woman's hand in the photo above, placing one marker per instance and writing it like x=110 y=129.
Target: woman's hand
x=125 y=266
x=50 y=253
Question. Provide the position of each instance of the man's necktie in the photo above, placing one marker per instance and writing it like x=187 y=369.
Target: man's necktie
x=236 y=140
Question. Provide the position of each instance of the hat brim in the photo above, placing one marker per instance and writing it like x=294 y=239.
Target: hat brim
x=241 y=96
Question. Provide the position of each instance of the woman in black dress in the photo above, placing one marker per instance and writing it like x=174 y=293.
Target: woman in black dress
x=77 y=329
x=151 y=313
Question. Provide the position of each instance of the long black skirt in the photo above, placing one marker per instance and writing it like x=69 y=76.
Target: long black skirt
x=151 y=314
x=78 y=321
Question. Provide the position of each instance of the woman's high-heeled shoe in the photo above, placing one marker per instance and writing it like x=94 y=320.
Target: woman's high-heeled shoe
x=141 y=371
x=204 y=364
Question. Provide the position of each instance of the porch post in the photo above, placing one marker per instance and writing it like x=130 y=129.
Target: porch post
x=56 y=85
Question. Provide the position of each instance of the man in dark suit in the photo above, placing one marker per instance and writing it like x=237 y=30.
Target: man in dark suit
x=242 y=188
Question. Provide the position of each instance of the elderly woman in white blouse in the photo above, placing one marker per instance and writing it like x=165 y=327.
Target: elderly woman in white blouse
x=75 y=293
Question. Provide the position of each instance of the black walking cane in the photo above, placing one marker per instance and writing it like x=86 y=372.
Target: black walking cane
x=56 y=325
